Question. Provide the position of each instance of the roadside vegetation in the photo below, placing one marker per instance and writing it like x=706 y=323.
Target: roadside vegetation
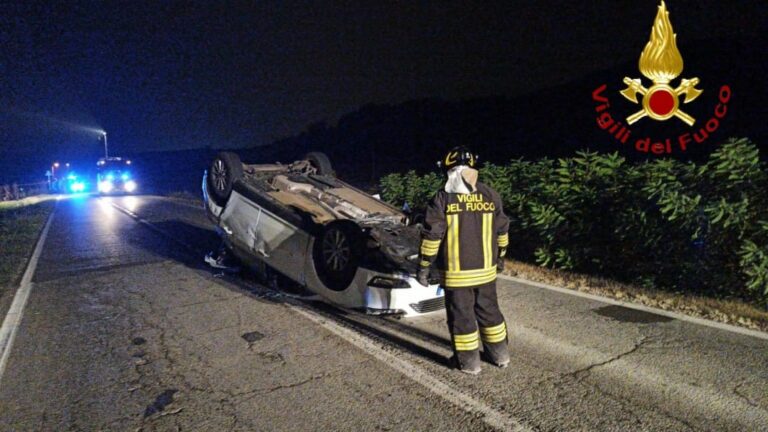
x=683 y=228
x=20 y=225
x=25 y=202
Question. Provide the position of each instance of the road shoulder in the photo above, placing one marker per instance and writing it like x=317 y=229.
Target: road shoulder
x=733 y=313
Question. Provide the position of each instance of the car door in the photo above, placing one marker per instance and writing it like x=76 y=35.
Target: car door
x=281 y=244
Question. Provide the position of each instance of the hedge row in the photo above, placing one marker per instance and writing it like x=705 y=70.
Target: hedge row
x=700 y=228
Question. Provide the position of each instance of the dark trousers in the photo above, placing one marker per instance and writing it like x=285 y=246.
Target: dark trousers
x=474 y=318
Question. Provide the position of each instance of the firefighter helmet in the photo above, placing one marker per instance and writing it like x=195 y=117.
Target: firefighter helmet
x=459 y=155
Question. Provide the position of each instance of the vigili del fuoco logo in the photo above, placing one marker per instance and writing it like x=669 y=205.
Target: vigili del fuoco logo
x=661 y=63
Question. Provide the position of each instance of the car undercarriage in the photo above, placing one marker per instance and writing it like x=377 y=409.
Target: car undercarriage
x=316 y=229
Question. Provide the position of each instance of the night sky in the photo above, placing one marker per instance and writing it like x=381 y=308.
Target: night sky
x=164 y=75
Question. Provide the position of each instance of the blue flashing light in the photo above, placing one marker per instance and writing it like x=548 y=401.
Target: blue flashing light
x=71 y=177
x=110 y=176
x=125 y=176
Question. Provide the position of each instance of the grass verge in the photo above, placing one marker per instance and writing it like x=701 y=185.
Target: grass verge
x=726 y=311
x=20 y=225
x=25 y=202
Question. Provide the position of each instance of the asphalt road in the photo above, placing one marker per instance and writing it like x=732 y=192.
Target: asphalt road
x=126 y=329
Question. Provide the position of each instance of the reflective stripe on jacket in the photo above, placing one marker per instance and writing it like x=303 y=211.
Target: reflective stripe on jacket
x=462 y=235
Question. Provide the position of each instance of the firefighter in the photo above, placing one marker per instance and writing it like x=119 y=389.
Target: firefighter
x=465 y=235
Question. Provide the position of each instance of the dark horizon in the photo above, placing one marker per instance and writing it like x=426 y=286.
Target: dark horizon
x=182 y=75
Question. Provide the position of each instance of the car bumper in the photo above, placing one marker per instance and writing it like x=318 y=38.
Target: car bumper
x=416 y=300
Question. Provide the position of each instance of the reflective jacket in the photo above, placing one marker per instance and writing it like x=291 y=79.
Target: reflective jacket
x=463 y=235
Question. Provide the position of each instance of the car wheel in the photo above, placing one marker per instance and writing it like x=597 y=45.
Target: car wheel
x=320 y=162
x=337 y=254
x=226 y=168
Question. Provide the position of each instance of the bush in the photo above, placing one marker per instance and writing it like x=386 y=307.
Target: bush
x=410 y=188
x=680 y=226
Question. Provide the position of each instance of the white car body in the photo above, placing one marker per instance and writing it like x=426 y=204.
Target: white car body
x=258 y=235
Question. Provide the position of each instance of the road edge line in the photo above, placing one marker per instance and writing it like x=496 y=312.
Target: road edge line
x=150 y=225
x=491 y=416
x=676 y=315
x=13 y=318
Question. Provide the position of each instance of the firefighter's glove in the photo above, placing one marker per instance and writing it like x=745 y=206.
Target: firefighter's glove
x=422 y=276
x=500 y=260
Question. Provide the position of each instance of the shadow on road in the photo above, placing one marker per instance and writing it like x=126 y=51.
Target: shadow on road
x=359 y=321
x=187 y=244
x=184 y=243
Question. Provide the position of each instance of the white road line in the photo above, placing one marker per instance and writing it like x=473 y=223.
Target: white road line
x=151 y=226
x=15 y=313
x=675 y=315
x=492 y=417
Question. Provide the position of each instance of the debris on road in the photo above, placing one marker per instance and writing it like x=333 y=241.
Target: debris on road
x=161 y=401
x=252 y=337
x=172 y=412
x=220 y=262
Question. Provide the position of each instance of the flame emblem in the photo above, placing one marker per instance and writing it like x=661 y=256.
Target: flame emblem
x=661 y=63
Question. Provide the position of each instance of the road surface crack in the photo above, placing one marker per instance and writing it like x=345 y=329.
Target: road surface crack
x=300 y=383
x=625 y=403
x=580 y=373
x=744 y=397
x=250 y=394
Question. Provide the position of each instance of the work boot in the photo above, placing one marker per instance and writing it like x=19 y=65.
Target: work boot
x=468 y=362
x=497 y=353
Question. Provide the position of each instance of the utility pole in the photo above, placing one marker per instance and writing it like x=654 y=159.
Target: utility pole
x=106 y=151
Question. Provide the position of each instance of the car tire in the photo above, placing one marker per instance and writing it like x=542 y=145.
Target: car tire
x=320 y=162
x=337 y=253
x=226 y=168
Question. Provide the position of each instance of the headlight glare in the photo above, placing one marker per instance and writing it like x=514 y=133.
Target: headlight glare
x=105 y=186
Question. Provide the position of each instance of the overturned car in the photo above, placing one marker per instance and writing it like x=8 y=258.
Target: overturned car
x=332 y=238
